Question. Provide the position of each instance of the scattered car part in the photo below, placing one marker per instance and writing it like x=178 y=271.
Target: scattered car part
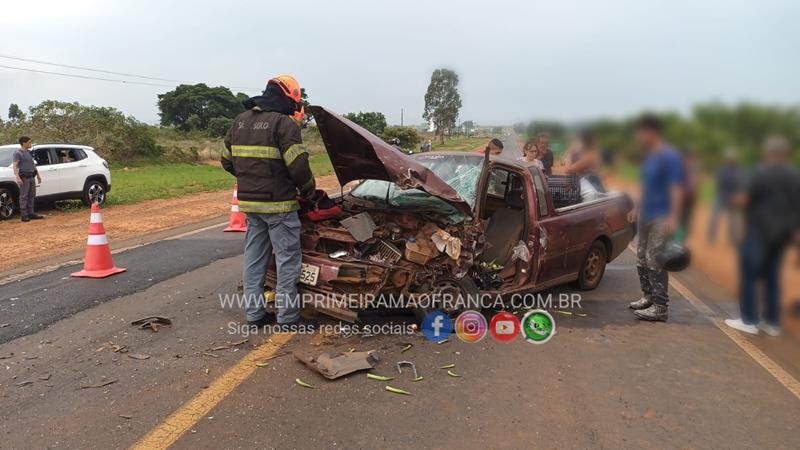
x=376 y=377
x=397 y=391
x=152 y=322
x=303 y=383
x=333 y=366
x=408 y=363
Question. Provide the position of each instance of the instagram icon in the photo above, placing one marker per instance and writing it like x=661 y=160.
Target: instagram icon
x=471 y=326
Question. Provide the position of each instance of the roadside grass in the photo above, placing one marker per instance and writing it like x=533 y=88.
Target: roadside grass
x=459 y=144
x=137 y=183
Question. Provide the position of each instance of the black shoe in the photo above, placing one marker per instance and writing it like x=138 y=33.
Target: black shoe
x=268 y=319
x=642 y=303
x=25 y=219
x=654 y=313
x=36 y=217
x=300 y=325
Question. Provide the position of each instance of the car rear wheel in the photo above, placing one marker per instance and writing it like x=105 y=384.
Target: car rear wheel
x=594 y=267
x=94 y=191
x=8 y=204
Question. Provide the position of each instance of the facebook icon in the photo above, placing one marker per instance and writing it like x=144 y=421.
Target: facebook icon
x=437 y=326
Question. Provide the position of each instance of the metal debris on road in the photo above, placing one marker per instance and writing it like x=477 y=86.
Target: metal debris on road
x=376 y=377
x=448 y=366
x=303 y=383
x=443 y=341
x=406 y=348
x=397 y=391
x=333 y=366
x=125 y=416
x=25 y=383
x=262 y=364
x=453 y=374
x=408 y=363
x=153 y=323
x=99 y=385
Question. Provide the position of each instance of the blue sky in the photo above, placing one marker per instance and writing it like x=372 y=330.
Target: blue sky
x=569 y=60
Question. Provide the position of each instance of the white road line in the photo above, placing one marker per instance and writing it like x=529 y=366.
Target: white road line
x=46 y=269
x=778 y=372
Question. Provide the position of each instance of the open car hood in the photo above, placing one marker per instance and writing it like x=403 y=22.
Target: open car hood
x=357 y=154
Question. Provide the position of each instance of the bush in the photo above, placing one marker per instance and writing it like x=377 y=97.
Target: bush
x=409 y=137
x=115 y=136
x=219 y=126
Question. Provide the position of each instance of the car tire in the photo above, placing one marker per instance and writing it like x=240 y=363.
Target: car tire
x=94 y=191
x=8 y=204
x=461 y=290
x=594 y=267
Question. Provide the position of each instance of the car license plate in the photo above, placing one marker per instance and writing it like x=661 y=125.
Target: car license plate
x=309 y=274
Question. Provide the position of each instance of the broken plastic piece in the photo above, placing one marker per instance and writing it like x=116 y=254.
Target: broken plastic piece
x=376 y=377
x=521 y=252
x=361 y=226
x=446 y=243
x=303 y=383
x=397 y=391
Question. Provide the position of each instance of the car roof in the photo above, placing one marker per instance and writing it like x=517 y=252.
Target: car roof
x=82 y=147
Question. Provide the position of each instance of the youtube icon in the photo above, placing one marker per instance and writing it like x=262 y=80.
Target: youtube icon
x=504 y=327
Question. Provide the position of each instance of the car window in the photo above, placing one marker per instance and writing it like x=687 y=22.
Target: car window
x=541 y=195
x=6 y=155
x=497 y=183
x=67 y=155
x=41 y=156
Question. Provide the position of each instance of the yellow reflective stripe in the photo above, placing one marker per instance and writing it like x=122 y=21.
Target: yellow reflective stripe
x=226 y=153
x=292 y=153
x=256 y=151
x=268 y=207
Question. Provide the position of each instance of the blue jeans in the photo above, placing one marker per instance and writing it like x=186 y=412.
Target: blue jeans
x=267 y=233
x=759 y=263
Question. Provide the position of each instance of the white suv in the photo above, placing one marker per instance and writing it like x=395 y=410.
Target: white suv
x=68 y=172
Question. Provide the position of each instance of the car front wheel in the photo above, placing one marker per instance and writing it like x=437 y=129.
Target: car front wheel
x=8 y=205
x=94 y=191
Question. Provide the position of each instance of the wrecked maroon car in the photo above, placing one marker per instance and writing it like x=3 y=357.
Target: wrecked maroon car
x=448 y=223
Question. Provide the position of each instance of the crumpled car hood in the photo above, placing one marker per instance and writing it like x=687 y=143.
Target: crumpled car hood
x=357 y=154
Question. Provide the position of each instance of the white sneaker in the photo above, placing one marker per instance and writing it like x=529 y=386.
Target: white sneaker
x=769 y=330
x=741 y=326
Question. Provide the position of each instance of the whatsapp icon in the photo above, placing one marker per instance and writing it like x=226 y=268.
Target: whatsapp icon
x=538 y=326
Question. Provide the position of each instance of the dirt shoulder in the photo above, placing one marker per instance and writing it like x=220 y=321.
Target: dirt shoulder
x=62 y=233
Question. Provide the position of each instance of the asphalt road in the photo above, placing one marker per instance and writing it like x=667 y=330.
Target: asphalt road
x=604 y=381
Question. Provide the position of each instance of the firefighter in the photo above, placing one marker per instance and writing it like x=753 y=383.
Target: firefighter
x=264 y=151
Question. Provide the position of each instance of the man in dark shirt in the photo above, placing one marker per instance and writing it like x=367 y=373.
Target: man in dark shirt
x=728 y=180
x=544 y=154
x=25 y=171
x=772 y=222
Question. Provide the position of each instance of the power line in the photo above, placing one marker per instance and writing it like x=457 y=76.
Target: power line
x=86 y=77
x=129 y=75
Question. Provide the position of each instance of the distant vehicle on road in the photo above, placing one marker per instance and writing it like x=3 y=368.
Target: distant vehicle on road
x=68 y=172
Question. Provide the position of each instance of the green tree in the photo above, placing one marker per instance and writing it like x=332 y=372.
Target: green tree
x=442 y=101
x=15 y=113
x=177 y=106
x=408 y=136
x=374 y=122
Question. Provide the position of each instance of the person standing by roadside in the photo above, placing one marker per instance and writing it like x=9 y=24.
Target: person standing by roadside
x=26 y=173
x=264 y=151
x=728 y=181
x=543 y=152
x=771 y=223
x=662 y=178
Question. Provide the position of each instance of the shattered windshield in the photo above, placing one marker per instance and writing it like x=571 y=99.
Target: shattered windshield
x=461 y=172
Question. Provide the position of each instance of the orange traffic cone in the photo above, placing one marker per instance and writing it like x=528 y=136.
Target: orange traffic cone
x=238 y=221
x=97 y=262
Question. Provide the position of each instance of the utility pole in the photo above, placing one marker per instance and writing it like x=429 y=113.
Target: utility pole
x=401 y=117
